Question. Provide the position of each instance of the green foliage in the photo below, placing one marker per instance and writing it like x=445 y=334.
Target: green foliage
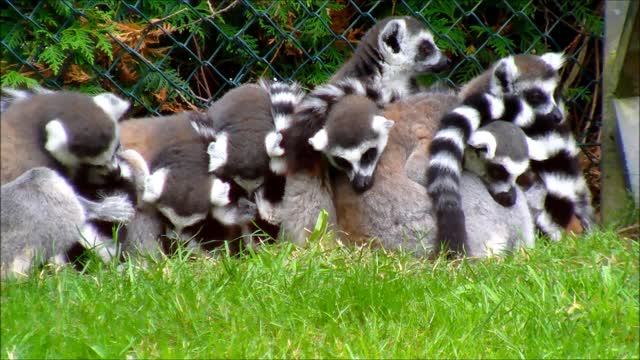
x=124 y=44
x=12 y=78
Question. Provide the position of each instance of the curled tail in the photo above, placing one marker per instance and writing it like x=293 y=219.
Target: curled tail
x=445 y=164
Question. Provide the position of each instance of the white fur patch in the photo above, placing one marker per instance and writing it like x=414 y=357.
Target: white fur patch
x=482 y=138
x=553 y=230
x=514 y=168
x=560 y=185
x=525 y=117
x=267 y=211
x=510 y=69
x=356 y=84
x=445 y=160
x=57 y=143
x=91 y=239
x=203 y=130
x=278 y=165
x=217 y=151
x=320 y=140
x=389 y=28
x=219 y=195
x=112 y=105
x=282 y=121
x=496 y=106
x=381 y=124
x=472 y=115
x=272 y=143
x=555 y=60
x=180 y=222
x=453 y=135
x=544 y=147
x=154 y=185
x=249 y=185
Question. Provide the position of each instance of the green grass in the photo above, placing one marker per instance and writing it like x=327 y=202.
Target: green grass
x=574 y=299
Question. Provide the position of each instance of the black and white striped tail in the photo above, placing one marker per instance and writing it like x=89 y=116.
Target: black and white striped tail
x=285 y=98
x=318 y=102
x=445 y=164
x=559 y=169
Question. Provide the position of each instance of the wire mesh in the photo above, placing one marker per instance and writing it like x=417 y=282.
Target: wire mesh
x=172 y=55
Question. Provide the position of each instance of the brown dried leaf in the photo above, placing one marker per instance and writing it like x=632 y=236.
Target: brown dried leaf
x=75 y=75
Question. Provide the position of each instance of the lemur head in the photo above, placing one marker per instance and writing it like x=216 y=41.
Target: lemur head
x=498 y=153
x=353 y=138
x=82 y=130
x=406 y=46
x=534 y=79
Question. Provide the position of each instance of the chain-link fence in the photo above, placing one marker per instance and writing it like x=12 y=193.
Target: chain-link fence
x=173 y=55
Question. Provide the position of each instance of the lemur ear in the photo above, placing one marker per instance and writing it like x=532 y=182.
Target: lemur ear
x=112 y=105
x=219 y=195
x=504 y=75
x=381 y=124
x=392 y=35
x=203 y=127
x=483 y=141
x=217 y=151
x=320 y=140
x=537 y=151
x=154 y=185
x=56 y=136
x=555 y=60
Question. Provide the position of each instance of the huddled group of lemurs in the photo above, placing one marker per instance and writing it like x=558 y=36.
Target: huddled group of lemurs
x=395 y=164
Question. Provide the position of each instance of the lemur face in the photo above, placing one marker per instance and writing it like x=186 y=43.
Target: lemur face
x=533 y=78
x=408 y=47
x=353 y=139
x=498 y=153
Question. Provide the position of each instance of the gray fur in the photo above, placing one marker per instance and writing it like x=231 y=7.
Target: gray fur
x=394 y=214
x=91 y=132
x=42 y=217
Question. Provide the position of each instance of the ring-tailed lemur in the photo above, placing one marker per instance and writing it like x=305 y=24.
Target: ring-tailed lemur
x=391 y=54
x=393 y=214
x=63 y=130
x=42 y=216
x=499 y=153
x=522 y=89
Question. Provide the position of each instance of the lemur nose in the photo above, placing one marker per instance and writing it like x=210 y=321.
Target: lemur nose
x=556 y=115
x=362 y=183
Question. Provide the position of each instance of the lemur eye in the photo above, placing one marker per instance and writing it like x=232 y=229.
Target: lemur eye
x=497 y=172
x=342 y=163
x=535 y=97
x=369 y=156
x=426 y=48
